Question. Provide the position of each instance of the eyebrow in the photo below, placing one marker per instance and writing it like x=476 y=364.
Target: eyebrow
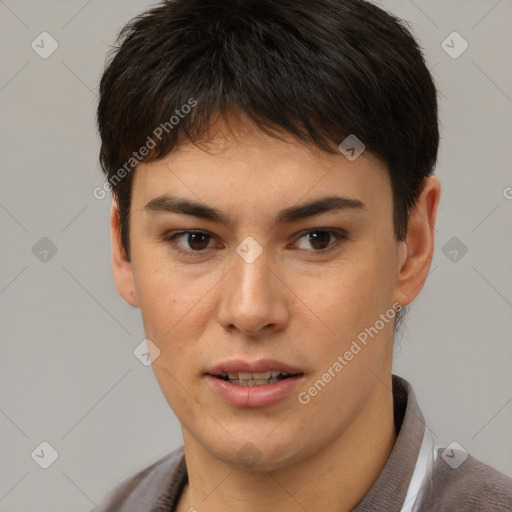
x=168 y=204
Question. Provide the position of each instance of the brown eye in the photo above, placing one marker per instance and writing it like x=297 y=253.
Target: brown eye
x=319 y=239
x=189 y=241
x=198 y=241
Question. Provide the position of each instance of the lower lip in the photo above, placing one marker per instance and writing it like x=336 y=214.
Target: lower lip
x=254 y=396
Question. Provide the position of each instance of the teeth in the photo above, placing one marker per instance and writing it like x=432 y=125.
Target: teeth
x=253 y=379
x=263 y=376
x=254 y=376
x=253 y=382
x=256 y=382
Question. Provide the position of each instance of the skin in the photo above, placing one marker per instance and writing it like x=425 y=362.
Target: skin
x=291 y=304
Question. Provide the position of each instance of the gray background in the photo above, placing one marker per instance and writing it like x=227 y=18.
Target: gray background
x=68 y=373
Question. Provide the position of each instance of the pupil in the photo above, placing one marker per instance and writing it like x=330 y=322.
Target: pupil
x=195 y=242
x=319 y=236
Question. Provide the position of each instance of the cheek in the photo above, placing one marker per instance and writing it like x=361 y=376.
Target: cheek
x=353 y=293
x=173 y=306
x=173 y=312
x=347 y=300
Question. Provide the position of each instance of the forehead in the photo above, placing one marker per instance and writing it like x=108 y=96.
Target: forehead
x=241 y=168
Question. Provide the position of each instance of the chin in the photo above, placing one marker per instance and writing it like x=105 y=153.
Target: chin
x=259 y=453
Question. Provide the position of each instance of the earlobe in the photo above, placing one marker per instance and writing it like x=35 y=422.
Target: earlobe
x=415 y=254
x=121 y=266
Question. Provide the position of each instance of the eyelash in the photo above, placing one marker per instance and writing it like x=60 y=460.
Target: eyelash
x=339 y=236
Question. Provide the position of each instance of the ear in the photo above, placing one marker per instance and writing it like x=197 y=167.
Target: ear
x=121 y=266
x=415 y=253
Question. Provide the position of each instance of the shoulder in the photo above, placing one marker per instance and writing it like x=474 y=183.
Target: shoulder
x=472 y=486
x=143 y=489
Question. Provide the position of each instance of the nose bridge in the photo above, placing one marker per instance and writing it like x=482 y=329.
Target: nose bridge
x=250 y=298
x=250 y=281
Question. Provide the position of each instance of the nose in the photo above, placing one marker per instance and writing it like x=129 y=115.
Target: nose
x=254 y=300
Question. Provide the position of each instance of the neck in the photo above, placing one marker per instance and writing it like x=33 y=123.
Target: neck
x=335 y=478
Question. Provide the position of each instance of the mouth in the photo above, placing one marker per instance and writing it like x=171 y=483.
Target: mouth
x=255 y=379
x=259 y=383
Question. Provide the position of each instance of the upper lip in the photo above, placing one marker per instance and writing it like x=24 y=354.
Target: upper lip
x=259 y=366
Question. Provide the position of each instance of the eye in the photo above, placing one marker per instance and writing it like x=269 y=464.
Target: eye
x=195 y=241
x=319 y=239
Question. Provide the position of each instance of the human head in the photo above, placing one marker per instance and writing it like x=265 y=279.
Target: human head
x=269 y=88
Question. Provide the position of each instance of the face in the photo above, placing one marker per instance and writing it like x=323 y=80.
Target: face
x=252 y=284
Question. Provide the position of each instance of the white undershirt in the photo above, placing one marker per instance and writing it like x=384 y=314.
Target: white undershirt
x=426 y=458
